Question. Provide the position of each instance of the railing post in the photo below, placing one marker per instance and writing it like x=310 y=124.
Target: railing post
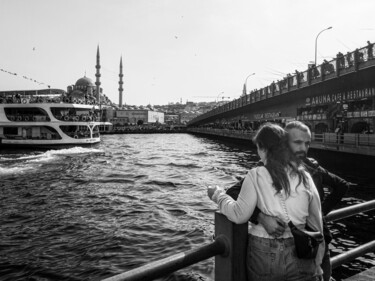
x=357 y=140
x=356 y=59
x=338 y=64
x=309 y=76
x=231 y=267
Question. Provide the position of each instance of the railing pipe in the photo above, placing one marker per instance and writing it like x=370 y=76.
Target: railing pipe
x=352 y=254
x=170 y=264
x=350 y=211
x=229 y=248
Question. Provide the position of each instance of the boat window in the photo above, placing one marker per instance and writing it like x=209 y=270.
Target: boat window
x=11 y=131
x=73 y=113
x=27 y=114
x=31 y=133
x=77 y=132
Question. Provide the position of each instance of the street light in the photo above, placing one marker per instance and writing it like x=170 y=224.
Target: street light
x=217 y=98
x=245 y=85
x=316 y=41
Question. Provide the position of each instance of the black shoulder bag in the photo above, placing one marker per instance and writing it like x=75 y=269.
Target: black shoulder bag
x=306 y=242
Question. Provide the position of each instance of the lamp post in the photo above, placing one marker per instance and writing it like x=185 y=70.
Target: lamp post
x=316 y=41
x=245 y=85
x=217 y=98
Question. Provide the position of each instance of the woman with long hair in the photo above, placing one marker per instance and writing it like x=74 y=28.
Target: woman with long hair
x=280 y=188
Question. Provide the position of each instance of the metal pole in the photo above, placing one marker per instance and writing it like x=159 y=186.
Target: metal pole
x=247 y=78
x=170 y=264
x=352 y=254
x=217 y=98
x=316 y=41
x=350 y=211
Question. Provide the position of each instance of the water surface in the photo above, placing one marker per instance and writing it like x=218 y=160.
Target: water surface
x=89 y=213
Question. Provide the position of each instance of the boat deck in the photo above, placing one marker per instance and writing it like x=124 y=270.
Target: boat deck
x=367 y=275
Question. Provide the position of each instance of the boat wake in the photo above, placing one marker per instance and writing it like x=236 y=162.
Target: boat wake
x=12 y=170
x=22 y=162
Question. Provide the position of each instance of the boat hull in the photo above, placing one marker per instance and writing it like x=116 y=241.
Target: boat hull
x=4 y=143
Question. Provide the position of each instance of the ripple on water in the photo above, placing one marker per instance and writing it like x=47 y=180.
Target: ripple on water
x=87 y=214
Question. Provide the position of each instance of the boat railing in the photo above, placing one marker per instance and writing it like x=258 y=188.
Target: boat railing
x=41 y=99
x=229 y=249
x=43 y=118
x=28 y=118
x=75 y=117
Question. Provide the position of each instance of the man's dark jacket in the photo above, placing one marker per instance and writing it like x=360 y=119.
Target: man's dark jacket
x=322 y=178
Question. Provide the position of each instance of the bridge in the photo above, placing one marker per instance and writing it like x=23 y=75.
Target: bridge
x=336 y=96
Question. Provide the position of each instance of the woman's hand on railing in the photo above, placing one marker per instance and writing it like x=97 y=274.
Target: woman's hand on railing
x=211 y=191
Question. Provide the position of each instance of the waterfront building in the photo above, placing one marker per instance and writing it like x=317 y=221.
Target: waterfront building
x=172 y=119
x=124 y=117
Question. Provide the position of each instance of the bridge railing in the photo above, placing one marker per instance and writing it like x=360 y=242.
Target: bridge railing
x=345 y=139
x=229 y=249
x=355 y=140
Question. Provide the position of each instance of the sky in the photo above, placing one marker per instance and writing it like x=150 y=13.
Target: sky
x=173 y=50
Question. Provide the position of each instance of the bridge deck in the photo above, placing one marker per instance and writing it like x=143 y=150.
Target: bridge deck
x=367 y=275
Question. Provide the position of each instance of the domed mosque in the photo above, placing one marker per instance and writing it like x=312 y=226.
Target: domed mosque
x=83 y=83
x=86 y=91
x=83 y=90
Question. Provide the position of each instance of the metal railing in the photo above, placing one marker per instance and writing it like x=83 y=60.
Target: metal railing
x=170 y=264
x=345 y=139
x=360 y=250
x=229 y=249
x=362 y=144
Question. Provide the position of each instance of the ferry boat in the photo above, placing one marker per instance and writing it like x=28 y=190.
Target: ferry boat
x=50 y=117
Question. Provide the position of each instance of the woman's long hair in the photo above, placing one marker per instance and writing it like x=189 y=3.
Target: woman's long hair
x=280 y=159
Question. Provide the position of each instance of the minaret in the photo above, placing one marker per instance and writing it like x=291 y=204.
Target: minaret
x=120 y=89
x=97 y=75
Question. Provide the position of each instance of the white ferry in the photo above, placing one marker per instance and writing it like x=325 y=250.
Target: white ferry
x=47 y=118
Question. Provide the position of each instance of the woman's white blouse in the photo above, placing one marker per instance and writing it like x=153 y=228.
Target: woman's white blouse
x=303 y=205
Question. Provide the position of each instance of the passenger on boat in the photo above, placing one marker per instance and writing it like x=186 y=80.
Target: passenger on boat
x=272 y=256
x=299 y=141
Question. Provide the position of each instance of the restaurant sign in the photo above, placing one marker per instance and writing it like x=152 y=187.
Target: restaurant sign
x=344 y=96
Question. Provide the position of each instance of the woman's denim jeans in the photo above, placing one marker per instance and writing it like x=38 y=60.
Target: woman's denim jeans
x=275 y=260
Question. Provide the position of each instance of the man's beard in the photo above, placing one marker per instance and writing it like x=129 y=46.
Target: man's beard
x=301 y=155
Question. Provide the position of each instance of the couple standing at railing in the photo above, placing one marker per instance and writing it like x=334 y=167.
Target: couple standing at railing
x=286 y=187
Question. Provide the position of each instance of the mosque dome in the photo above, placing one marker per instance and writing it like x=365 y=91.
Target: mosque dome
x=84 y=82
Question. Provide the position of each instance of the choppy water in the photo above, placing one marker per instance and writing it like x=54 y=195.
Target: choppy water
x=90 y=213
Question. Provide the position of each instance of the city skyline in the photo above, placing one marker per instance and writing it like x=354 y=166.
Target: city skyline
x=173 y=50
